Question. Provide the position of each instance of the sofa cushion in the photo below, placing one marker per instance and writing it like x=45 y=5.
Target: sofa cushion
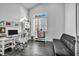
x=69 y=41
x=60 y=48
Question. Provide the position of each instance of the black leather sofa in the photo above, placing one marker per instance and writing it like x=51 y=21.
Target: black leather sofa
x=65 y=46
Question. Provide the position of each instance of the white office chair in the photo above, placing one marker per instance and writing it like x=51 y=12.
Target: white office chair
x=20 y=44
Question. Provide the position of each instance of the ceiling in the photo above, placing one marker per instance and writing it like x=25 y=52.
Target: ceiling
x=29 y=5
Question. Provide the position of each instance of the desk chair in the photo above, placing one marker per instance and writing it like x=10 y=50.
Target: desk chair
x=19 y=45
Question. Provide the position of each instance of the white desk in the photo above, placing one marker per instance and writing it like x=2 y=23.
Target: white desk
x=5 y=43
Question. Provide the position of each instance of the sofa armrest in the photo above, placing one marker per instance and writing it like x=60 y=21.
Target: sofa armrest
x=60 y=48
x=74 y=41
x=55 y=39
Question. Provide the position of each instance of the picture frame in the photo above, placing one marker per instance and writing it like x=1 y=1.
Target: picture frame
x=1 y=23
x=2 y=29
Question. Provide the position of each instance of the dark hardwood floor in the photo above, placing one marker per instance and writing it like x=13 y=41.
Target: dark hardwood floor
x=77 y=45
x=34 y=48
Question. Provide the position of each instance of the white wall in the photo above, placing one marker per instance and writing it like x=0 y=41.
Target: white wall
x=12 y=12
x=78 y=19
x=56 y=19
x=70 y=19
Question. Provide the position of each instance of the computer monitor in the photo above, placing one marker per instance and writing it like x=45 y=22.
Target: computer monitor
x=12 y=32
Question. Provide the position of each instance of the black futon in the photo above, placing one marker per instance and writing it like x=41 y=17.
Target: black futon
x=65 y=46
